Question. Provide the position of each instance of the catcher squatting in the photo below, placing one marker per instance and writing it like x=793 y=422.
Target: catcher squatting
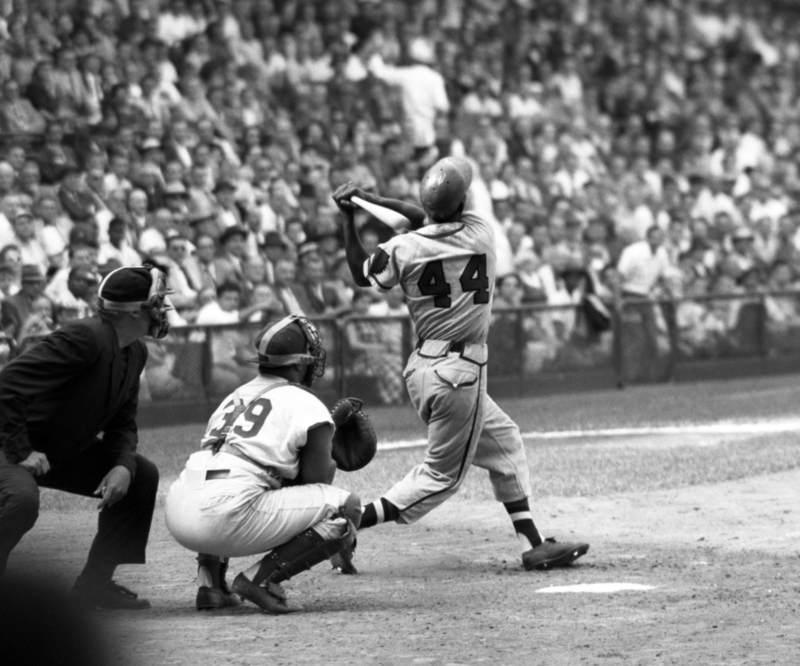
x=261 y=483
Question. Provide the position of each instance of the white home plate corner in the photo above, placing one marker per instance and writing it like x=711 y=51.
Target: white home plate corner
x=595 y=588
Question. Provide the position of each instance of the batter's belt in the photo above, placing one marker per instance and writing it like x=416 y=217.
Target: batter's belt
x=469 y=351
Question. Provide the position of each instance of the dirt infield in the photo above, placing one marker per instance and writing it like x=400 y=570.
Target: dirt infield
x=724 y=561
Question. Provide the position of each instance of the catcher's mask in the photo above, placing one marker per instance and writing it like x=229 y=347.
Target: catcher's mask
x=129 y=283
x=444 y=187
x=292 y=341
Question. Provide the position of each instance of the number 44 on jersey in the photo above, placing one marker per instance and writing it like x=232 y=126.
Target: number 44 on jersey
x=433 y=281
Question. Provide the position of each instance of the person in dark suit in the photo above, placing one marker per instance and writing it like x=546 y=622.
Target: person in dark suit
x=55 y=400
x=231 y=254
x=16 y=309
x=316 y=295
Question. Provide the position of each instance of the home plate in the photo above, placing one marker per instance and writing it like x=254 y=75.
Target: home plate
x=596 y=588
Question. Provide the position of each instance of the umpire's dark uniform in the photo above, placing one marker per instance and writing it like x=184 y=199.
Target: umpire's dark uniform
x=57 y=398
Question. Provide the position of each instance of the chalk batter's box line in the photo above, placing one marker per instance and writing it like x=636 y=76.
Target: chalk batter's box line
x=720 y=428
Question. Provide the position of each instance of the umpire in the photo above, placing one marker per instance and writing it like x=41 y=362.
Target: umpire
x=68 y=421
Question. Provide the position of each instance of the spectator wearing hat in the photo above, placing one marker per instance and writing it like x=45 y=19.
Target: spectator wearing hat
x=231 y=254
x=26 y=239
x=274 y=249
x=16 y=309
x=204 y=221
x=89 y=368
x=175 y=196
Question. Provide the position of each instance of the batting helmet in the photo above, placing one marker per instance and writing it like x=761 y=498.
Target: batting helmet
x=444 y=187
x=292 y=341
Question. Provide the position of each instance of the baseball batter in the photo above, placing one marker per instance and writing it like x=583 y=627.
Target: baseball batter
x=446 y=268
x=261 y=482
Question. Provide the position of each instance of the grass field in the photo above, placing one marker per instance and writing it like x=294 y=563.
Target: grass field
x=575 y=467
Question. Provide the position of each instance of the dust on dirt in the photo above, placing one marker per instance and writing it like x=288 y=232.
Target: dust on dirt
x=724 y=561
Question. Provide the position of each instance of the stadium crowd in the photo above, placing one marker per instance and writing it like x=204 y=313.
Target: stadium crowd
x=207 y=136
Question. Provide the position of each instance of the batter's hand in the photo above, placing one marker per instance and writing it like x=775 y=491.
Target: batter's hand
x=114 y=486
x=342 y=197
x=36 y=463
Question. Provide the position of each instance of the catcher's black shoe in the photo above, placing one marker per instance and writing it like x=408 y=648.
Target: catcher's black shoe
x=213 y=598
x=270 y=599
x=108 y=595
x=343 y=560
x=550 y=553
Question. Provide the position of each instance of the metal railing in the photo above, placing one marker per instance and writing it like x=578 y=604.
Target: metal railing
x=531 y=348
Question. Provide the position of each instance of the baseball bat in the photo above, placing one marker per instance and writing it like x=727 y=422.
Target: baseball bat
x=385 y=215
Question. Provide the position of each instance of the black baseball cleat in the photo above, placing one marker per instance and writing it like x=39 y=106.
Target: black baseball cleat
x=213 y=598
x=108 y=595
x=271 y=599
x=550 y=554
x=343 y=560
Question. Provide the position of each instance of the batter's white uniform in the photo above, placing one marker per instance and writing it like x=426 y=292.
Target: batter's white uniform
x=447 y=272
x=246 y=511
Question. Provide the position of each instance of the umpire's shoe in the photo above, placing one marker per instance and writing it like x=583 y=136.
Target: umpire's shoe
x=108 y=595
x=213 y=598
x=550 y=553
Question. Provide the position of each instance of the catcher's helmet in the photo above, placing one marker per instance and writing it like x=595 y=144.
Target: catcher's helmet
x=292 y=341
x=444 y=187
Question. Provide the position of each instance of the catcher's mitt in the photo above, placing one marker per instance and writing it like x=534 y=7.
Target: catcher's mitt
x=354 y=440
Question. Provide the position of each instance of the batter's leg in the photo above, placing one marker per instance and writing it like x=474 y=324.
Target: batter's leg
x=501 y=451
x=449 y=396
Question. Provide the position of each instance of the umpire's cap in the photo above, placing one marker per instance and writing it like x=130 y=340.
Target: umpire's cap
x=444 y=187
x=130 y=284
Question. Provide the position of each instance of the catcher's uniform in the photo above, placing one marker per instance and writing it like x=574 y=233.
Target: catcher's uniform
x=447 y=272
x=232 y=503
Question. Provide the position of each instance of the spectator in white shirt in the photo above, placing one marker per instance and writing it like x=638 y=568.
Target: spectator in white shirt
x=185 y=297
x=228 y=346
x=422 y=88
x=25 y=238
x=117 y=246
x=643 y=267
